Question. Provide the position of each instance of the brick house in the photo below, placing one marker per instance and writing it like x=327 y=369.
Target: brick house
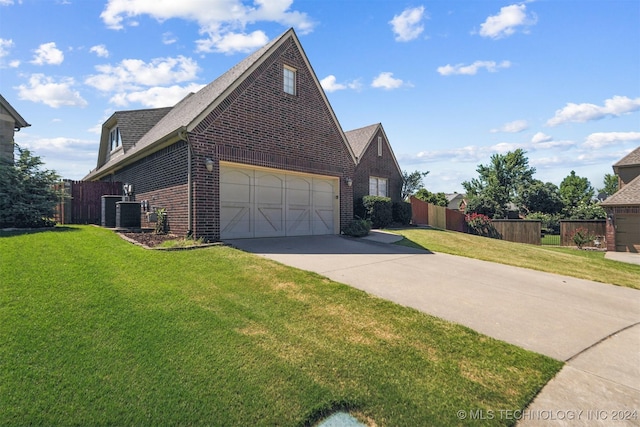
x=10 y=123
x=377 y=171
x=257 y=152
x=623 y=207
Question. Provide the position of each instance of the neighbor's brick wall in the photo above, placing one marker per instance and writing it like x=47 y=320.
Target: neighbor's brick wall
x=380 y=166
x=161 y=178
x=259 y=124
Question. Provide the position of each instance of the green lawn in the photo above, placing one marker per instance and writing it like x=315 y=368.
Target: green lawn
x=97 y=331
x=583 y=264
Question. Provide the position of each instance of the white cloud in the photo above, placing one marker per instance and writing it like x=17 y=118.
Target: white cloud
x=135 y=73
x=507 y=21
x=581 y=113
x=230 y=43
x=540 y=137
x=330 y=84
x=100 y=50
x=223 y=22
x=48 y=53
x=512 y=127
x=407 y=26
x=169 y=38
x=49 y=92
x=156 y=97
x=601 y=139
x=385 y=80
x=472 y=69
x=6 y=2
x=5 y=45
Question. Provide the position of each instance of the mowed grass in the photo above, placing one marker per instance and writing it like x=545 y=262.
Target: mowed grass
x=582 y=264
x=97 y=331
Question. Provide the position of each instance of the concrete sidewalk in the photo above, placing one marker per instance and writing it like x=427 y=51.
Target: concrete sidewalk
x=592 y=326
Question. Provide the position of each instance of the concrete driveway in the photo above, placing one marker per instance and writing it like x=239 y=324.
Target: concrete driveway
x=593 y=326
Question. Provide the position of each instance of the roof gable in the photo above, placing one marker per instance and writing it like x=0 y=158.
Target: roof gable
x=19 y=122
x=631 y=159
x=627 y=195
x=360 y=140
x=191 y=111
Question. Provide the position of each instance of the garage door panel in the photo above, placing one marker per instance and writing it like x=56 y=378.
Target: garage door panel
x=269 y=203
x=235 y=221
x=627 y=233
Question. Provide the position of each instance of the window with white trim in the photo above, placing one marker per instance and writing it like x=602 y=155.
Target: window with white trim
x=115 y=140
x=289 y=78
x=377 y=186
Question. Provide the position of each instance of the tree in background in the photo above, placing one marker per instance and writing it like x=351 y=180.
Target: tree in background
x=498 y=183
x=27 y=195
x=575 y=191
x=438 y=199
x=411 y=182
x=542 y=197
x=610 y=186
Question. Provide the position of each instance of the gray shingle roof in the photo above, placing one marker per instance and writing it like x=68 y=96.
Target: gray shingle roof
x=359 y=138
x=631 y=159
x=627 y=195
x=135 y=123
x=186 y=111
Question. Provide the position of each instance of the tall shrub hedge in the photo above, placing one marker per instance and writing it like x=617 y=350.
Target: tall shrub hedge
x=379 y=210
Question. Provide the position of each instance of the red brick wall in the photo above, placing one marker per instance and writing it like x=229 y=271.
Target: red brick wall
x=259 y=124
x=380 y=166
x=161 y=179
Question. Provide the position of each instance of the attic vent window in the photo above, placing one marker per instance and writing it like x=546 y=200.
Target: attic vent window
x=379 y=146
x=114 y=138
x=289 y=80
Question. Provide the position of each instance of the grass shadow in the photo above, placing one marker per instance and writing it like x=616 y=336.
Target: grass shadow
x=10 y=232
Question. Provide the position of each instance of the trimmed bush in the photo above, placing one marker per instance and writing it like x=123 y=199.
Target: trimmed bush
x=481 y=225
x=358 y=228
x=379 y=210
x=401 y=212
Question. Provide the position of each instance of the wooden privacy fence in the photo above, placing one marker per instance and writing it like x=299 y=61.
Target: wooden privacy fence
x=423 y=213
x=83 y=201
x=596 y=228
x=519 y=230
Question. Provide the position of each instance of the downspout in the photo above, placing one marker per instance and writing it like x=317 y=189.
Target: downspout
x=184 y=135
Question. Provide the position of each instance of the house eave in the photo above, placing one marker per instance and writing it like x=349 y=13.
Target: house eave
x=134 y=156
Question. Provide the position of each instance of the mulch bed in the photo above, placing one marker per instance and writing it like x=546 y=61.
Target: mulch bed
x=150 y=239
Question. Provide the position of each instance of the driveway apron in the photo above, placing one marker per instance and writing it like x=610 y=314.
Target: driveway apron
x=593 y=326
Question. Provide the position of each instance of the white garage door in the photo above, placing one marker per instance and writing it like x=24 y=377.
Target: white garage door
x=260 y=202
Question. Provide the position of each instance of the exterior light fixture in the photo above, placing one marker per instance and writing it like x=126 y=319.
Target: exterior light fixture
x=209 y=164
x=349 y=181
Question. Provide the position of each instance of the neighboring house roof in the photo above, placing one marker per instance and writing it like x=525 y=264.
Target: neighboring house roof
x=191 y=110
x=627 y=195
x=360 y=139
x=19 y=122
x=631 y=159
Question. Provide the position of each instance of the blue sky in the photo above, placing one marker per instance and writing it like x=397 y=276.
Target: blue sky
x=452 y=82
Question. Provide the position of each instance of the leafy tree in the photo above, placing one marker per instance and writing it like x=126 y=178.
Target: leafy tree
x=610 y=185
x=539 y=197
x=411 y=182
x=499 y=182
x=588 y=210
x=438 y=199
x=575 y=189
x=27 y=196
x=484 y=205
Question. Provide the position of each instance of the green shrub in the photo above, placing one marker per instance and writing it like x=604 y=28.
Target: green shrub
x=161 y=221
x=27 y=195
x=358 y=228
x=581 y=237
x=379 y=210
x=481 y=225
x=401 y=212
